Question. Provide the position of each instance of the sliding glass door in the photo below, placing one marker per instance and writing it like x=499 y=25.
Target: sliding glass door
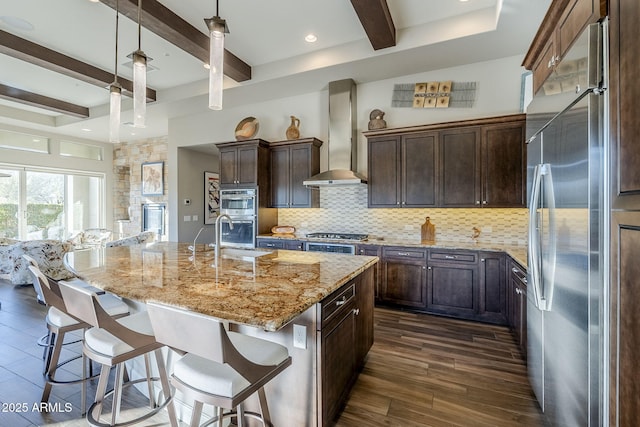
x=49 y=204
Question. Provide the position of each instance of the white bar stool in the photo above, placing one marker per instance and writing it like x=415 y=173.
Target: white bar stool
x=59 y=323
x=220 y=368
x=112 y=342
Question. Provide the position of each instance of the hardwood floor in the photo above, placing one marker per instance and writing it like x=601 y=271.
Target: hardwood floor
x=431 y=371
x=422 y=371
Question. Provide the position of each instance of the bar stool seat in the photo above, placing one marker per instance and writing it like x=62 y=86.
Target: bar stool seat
x=102 y=342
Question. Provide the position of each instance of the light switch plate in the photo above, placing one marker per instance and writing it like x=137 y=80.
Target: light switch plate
x=187 y=218
x=194 y=218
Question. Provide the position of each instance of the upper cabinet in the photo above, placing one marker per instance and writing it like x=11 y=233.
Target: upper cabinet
x=472 y=163
x=291 y=163
x=246 y=164
x=402 y=170
x=562 y=24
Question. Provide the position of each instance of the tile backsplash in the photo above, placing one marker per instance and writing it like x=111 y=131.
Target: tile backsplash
x=344 y=209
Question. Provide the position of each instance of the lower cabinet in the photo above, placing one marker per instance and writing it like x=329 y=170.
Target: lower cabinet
x=458 y=283
x=404 y=277
x=345 y=337
x=517 y=304
x=289 y=244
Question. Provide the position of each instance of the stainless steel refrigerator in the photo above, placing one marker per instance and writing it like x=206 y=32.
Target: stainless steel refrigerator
x=566 y=124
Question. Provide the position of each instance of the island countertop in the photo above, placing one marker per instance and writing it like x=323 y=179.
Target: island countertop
x=266 y=291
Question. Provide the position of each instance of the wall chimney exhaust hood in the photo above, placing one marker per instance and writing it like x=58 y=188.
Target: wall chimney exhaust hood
x=343 y=138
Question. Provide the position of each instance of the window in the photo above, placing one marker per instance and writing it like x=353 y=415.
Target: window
x=83 y=151
x=49 y=204
x=20 y=141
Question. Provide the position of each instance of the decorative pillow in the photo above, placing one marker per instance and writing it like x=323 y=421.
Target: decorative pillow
x=47 y=253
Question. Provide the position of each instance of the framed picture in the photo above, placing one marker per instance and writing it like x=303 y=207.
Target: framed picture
x=153 y=179
x=211 y=197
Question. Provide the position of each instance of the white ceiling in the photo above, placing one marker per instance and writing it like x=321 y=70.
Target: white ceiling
x=267 y=35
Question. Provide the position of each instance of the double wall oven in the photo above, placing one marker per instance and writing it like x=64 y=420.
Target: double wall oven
x=242 y=207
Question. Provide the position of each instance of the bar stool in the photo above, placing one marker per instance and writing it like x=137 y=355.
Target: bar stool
x=111 y=342
x=59 y=323
x=220 y=368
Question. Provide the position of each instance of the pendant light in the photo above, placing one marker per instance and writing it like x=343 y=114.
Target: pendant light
x=115 y=95
x=217 y=29
x=139 y=80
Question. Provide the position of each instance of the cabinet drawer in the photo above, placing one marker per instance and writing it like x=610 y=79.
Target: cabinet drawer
x=453 y=256
x=271 y=244
x=331 y=306
x=404 y=253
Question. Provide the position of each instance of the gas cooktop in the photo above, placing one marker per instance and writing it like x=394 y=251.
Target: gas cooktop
x=338 y=236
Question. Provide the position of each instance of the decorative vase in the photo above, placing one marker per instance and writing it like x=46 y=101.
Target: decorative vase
x=293 y=131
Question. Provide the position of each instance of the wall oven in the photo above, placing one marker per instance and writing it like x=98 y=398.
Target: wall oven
x=241 y=206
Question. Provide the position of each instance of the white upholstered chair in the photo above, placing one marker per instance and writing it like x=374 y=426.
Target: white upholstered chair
x=220 y=368
x=112 y=342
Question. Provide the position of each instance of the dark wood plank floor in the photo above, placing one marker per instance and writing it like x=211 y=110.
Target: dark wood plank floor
x=422 y=371
x=431 y=371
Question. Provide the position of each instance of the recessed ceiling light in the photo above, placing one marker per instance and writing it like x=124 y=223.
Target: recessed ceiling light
x=310 y=38
x=207 y=66
x=17 y=23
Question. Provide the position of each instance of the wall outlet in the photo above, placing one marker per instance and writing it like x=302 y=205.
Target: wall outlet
x=300 y=336
x=486 y=229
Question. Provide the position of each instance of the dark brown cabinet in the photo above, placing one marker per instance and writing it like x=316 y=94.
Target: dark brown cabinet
x=346 y=335
x=452 y=284
x=471 y=163
x=288 y=244
x=402 y=170
x=291 y=163
x=372 y=250
x=517 y=304
x=562 y=24
x=244 y=163
x=460 y=167
x=404 y=277
x=493 y=278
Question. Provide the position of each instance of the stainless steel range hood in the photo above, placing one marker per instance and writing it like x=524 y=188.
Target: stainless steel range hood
x=343 y=138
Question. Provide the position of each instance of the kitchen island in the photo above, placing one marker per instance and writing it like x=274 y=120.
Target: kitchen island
x=319 y=305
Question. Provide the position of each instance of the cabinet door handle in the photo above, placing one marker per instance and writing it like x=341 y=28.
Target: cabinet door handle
x=477 y=202
x=428 y=268
x=484 y=202
x=515 y=270
x=482 y=259
x=342 y=301
x=356 y=311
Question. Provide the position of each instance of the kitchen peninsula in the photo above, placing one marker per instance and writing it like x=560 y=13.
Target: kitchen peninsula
x=326 y=299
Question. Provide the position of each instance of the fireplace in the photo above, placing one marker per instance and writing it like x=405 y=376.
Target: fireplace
x=153 y=218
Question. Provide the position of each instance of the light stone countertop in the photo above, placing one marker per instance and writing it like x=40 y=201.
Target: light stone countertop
x=265 y=292
x=517 y=252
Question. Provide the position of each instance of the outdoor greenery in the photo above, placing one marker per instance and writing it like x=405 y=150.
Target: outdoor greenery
x=39 y=217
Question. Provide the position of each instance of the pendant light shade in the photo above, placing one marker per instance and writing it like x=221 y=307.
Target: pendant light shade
x=114 y=112
x=139 y=80
x=217 y=29
x=139 y=88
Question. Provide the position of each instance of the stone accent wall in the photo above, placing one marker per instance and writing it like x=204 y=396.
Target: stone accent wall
x=127 y=198
x=345 y=210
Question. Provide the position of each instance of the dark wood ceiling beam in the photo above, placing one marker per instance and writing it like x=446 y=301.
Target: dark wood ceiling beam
x=28 y=51
x=29 y=98
x=376 y=19
x=165 y=23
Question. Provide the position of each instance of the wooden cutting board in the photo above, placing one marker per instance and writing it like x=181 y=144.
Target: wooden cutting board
x=428 y=231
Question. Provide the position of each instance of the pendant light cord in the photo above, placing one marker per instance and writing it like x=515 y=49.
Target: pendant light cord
x=139 y=26
x=217 y=8
x=115 y=67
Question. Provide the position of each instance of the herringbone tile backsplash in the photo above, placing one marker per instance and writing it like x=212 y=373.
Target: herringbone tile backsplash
x=344 y=209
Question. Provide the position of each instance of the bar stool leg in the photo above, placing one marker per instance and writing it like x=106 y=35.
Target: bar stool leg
x=196 y=414
x=117 y=394
x=147 y=368
x=240 y=415
x=166 y=387
x=220 y=415
x=264 y=408
x=101 y=390
x=52 y=365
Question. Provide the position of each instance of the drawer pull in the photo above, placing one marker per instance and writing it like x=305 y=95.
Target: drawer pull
x=450 y=257
x=342 y=301
x=404 y=253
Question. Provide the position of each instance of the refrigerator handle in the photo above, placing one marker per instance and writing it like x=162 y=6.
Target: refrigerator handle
x=534 y=237
x=549 y=259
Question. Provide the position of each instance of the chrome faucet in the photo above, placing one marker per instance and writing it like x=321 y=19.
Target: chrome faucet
x=193 y=248
x=218 y=229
